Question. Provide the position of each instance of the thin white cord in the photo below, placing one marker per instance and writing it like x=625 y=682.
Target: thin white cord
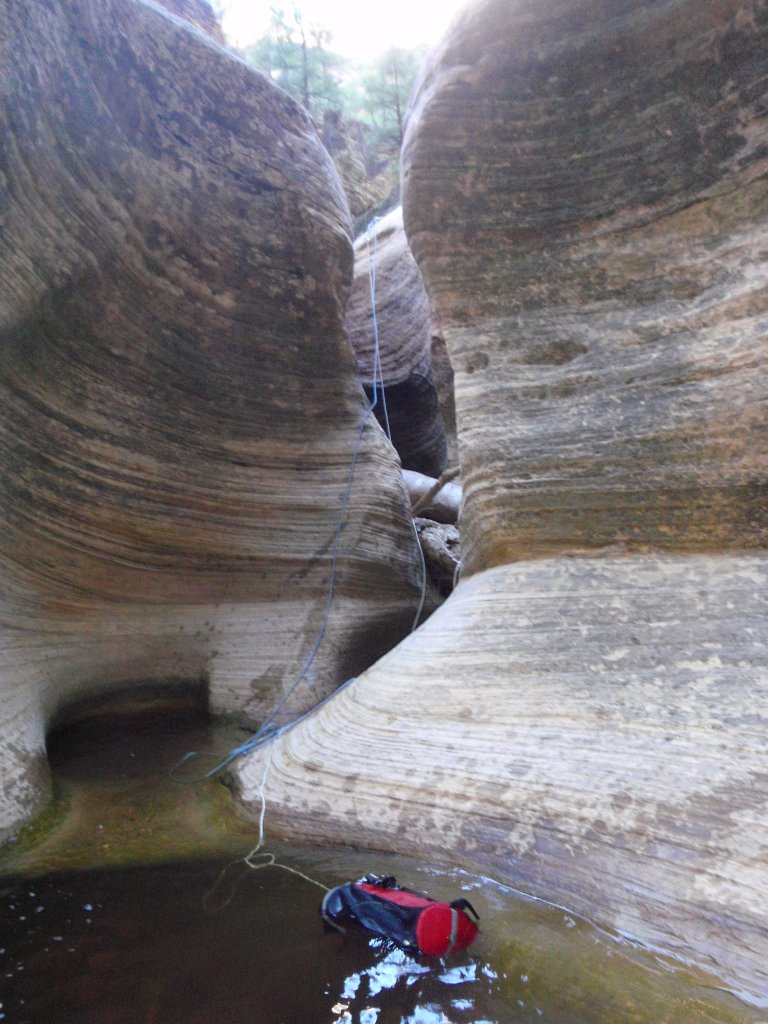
x=267 y=859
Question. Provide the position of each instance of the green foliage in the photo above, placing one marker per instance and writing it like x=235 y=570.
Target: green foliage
x=297 y=56
x=386 y=87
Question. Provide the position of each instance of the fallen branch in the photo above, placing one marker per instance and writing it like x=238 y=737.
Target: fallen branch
x=440 y=498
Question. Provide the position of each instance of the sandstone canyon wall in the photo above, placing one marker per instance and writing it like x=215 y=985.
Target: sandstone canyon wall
x=610 y=221
x=179 y=406
x=586 y=194
x=389 y=318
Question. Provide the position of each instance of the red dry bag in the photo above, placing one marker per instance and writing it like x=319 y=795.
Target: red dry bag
x=410 y=919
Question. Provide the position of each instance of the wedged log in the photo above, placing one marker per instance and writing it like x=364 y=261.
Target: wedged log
x=438 y=499
x=585 y=190
x=387 y=284
x=179 y=405
x=604 y=747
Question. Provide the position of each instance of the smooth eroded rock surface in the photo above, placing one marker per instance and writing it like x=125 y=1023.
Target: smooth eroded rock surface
x=178 y=401
x=590 y=730
x=585 y=192
x=389 y=314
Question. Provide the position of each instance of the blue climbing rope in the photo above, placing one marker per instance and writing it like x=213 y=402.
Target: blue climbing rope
x=378 y=374
x=268 y=730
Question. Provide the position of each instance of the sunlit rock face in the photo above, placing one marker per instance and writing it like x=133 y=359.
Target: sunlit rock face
x=179 y=406
x=585 y=192
x=389 y=308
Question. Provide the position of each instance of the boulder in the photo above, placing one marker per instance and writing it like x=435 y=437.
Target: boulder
x=389 y=318
x=179 y=409
x=585 y=192
x=441 y=546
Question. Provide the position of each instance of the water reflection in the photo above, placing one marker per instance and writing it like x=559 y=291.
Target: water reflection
x=147 y=946
x=415 y=991
x=114 y=947
x=138 y=946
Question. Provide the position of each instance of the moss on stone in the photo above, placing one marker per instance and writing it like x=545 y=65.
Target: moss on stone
x=38 y=830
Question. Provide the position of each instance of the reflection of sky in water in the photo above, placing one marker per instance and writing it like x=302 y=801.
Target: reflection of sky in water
x=395 y=966
x=457 y=975
x=361 y=1002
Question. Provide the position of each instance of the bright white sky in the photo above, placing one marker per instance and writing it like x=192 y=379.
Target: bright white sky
x=361 y=28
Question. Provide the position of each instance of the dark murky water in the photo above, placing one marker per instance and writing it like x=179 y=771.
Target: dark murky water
x=139 y=947
x=182 y=944
x=197 y=937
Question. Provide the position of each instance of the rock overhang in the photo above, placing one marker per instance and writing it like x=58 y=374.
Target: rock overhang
x=180 y=409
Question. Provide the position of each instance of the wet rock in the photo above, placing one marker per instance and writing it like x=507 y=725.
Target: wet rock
x=442 y=377
x=178 y=400
x=409 y=406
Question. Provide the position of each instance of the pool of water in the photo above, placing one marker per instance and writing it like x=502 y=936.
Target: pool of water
x=135 y=905
x=153 y=946
x=216 y=943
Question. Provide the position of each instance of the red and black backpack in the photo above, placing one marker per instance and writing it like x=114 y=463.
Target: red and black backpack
x=411 y=920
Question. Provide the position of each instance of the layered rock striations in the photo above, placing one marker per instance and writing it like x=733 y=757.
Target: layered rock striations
x=179 y=407
x=389 y=319
x=598 y=171
x=589 y=730
x=585 y=192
